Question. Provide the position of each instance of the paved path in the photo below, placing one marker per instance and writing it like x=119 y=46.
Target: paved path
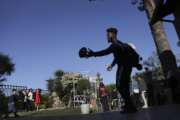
x=168 y=112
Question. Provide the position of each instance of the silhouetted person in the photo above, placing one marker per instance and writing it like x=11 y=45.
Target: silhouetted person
x=12 y=104
x=126 y=58
x=2 y=104
x=148 y=79
x=143 y=88
x=25 y=100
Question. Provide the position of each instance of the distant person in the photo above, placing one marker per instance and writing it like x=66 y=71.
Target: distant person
x=126 y=58
x=1 y=103
x=93 y=103
x=135 y=93
x=30 y=100
x=37 y=100
x=148 y=77
x=103 y=94
x=25 y=100
x=3 y=106
x=143 y=90
x=12 y=104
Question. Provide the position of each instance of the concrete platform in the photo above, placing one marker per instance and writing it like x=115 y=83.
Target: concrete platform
x=167 y=112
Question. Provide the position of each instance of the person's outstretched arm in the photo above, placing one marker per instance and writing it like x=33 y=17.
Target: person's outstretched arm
x=107 y=51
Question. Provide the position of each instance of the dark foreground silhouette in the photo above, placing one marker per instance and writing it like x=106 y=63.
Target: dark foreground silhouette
x=167 y=112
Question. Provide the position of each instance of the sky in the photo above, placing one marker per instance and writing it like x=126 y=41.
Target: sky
x=42 y=36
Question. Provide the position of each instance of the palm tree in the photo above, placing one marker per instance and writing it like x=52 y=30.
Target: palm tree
x=6 y=66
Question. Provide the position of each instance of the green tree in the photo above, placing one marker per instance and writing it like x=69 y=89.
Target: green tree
x=153 y=69
x=82 y=86
x=6 y=66
x=58 y=74
x=154 y=66
x=50 y=85
x=58 y=87
x=55 y=84
x=110 y=87
x=152 y=61
x=67 y=98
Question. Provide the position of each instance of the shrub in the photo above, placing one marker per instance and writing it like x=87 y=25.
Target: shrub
x=46 y=101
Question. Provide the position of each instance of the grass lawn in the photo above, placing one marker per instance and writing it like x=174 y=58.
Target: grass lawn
x=56 y=112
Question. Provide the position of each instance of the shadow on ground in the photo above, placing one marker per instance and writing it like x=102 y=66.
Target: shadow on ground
x=167 y=112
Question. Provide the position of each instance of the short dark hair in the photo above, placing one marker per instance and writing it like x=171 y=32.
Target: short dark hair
x=112 y=29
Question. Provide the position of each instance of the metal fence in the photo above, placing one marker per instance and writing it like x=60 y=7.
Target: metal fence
x=7 y=89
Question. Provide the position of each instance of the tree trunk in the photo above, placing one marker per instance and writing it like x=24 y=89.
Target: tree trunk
x=177 y=20
x=166 y=56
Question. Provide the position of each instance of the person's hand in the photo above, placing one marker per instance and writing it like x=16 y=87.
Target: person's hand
x=109 y=67
x=89 y=53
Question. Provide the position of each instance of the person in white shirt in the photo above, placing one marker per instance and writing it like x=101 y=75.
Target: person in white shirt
x=143 y=89
x=30 y=100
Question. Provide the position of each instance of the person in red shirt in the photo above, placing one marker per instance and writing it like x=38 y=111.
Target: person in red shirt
x=103 y=93
x=37 y=99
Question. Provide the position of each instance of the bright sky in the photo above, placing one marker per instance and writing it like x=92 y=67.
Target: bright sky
x=42 y=36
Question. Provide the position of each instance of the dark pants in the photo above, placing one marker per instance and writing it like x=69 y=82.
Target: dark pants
x=123 y=77
x=1 y=110
x=137 y=100
x=30 y=105
x=104 y=102
x=25 y=106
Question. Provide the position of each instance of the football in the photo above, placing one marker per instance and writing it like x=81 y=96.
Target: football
x=83 y=52
x=139 y=67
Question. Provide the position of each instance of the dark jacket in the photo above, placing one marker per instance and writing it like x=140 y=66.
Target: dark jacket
x=118 y=52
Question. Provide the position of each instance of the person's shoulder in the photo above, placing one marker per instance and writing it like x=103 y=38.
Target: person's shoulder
x=120 y=42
